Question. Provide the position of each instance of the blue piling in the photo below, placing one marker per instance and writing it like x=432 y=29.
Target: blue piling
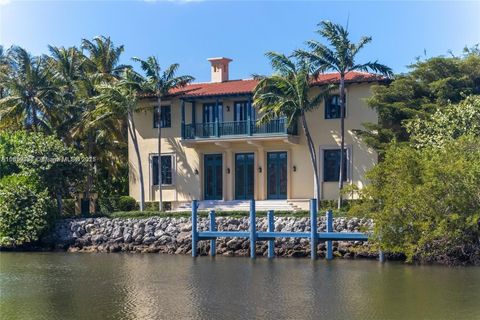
x=253 y=229
x=213 y=227
x=381 y=256
x=329 y=221
x=271 y=228
x=313 y=229
x=194 y=228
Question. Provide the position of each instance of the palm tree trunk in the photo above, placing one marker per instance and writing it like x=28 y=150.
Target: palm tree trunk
x=133 y=133
x=313 y=159
x=342 y=139
x=159 y=133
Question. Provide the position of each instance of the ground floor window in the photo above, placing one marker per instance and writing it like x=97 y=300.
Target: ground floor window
x=331 y=165
x=167 y=165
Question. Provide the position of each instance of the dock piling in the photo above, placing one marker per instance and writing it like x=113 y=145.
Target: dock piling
x=271 y=228
x=213 y=227
x=329 y=222
x=194 y=228
x=253 y=229
x=313 y=229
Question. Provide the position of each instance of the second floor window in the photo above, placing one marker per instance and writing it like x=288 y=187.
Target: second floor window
x=332 y=107
x=167 y=163
x=165 y=117
x=210 y=114
x=331 y=165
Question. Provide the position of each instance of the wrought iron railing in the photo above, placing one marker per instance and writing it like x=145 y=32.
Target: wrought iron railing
x=237 y=128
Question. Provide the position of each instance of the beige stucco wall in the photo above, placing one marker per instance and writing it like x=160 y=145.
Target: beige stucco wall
x=187 y=185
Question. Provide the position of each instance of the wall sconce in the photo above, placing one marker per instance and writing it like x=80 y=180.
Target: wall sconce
x=228 y=108
x=259 y=169
x=196 y=172
x=294 y=168
x=228 y=170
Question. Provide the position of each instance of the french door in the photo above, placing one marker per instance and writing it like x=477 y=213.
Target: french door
x=213 y=178
x=277 y=175
x=244 y=176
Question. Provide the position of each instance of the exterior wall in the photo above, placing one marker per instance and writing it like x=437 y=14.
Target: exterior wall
x=188 y=185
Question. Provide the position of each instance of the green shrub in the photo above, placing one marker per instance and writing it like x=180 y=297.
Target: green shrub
x=24 y=211
x=126 y=203
x=69 y=207
x=426 y=202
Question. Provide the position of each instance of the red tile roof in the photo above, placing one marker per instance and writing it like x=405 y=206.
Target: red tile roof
x=247 y=86
x=354 y=76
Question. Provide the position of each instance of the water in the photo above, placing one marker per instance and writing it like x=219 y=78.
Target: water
x=154 y=286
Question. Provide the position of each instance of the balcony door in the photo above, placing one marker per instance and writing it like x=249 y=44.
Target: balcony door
x=244 y=176
x=210 y=114
x=277 y=175
x=213 y=178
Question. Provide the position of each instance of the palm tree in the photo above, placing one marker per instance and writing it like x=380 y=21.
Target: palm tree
x=29 y=101
x=339 y=56
x=118 y=100
x=100 y=66
x=160 y=84
x=4 y=71
x=286 y=93
x=65 y=68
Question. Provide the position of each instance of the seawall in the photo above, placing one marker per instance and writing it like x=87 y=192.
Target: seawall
x=173 y=236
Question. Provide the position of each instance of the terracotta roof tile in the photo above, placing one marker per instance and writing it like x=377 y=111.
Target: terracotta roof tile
x=247 y=86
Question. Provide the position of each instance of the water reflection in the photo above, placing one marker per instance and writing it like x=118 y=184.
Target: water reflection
x=151 y=286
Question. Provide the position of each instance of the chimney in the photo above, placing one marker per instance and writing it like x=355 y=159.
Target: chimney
x=219 y=69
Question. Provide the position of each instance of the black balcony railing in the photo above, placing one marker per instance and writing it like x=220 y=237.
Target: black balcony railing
x=237 y=128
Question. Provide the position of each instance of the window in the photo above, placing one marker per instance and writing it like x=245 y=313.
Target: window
x=209 y=114
x=331 y=165
x=167 y=164
x=165 y=117
x=240 y=111
x=332 y=107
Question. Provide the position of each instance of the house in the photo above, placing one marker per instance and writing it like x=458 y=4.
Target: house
x=213 y=150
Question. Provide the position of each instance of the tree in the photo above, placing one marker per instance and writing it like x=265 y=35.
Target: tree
x=24 y=211
x=446 y=124
x=56 y=167
x=100 y=66
x=286 y=93
x=340 y=57
x=426 y=202
x=430 y=85
x=160 y=84
x=29 y=101
x=120 y=100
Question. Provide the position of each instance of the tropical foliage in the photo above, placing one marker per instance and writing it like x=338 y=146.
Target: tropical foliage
x=339 y=55
x=446 y=124
x=24 y=211
x=426 y=202
x=431 y=84
x=286 y=94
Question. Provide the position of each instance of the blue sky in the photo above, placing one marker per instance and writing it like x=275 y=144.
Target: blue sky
x=189 y=32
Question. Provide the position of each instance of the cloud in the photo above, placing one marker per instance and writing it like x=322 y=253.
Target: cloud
x=4 y=2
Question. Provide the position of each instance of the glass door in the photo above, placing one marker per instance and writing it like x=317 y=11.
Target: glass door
x=277 y=175
x=244 y=176
x=213 y=178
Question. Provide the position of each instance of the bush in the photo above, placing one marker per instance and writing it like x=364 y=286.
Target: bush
x=24 y=211
x=426 y=202
x=69 y=207
x=126 y=203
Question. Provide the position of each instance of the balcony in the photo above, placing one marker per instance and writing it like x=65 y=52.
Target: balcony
x=232 y=129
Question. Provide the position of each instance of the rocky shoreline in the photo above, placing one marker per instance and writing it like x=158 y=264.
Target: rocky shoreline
x=173 y=236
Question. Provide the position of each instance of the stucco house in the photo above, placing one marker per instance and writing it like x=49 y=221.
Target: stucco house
x=213 y=151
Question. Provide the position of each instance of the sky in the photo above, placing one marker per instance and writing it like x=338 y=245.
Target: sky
x=189 y=32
